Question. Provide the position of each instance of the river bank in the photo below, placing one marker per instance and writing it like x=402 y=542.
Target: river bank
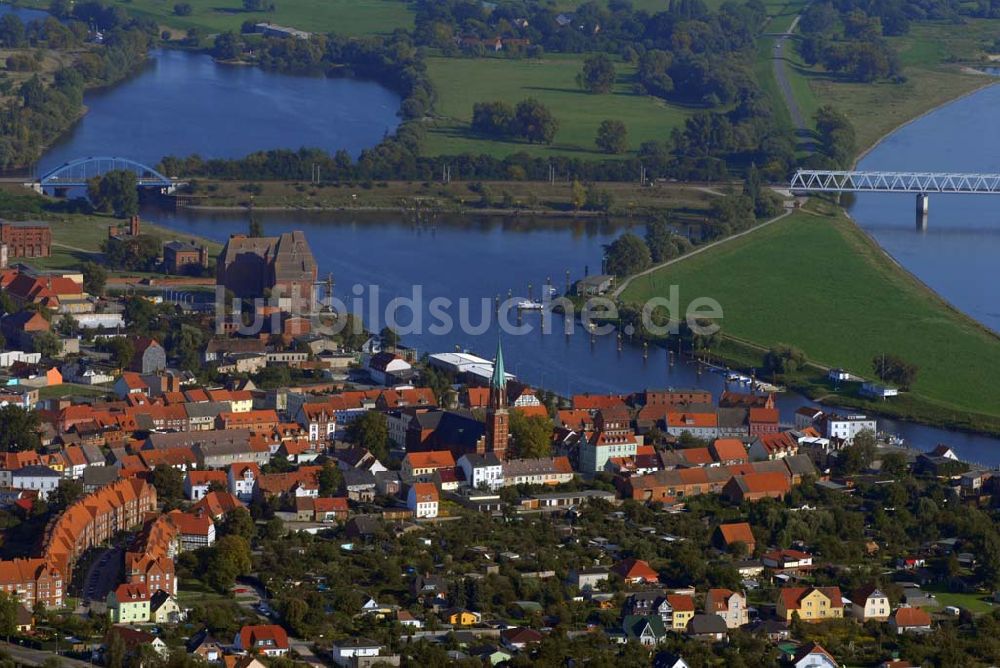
x=689 y=202
x=866 y=307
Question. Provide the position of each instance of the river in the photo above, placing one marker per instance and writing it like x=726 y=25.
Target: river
x=957 y=253
x=184 y=103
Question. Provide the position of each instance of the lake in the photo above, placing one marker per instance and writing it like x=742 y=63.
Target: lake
x=183 y=103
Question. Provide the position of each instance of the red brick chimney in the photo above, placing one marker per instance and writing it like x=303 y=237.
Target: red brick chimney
x=133 y=226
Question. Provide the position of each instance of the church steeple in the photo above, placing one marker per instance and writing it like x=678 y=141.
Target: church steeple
x=498 y=381
x=497 y=418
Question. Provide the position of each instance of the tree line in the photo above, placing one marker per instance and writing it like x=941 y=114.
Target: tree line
x=37 y=113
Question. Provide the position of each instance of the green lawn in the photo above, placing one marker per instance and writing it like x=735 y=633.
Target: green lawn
x=817 y=282
x=68 y=390
x=461 y=82
x=76 y=238
x=347 y=17
x=977 y=604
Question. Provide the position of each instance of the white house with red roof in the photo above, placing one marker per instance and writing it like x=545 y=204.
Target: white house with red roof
x=423 y=499
x=264 y=639
x=242 y=479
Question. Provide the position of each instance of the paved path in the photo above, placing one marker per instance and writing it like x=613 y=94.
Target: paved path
x=700 y=249
x=25 y=656
x=103 y=575
x=780 y=62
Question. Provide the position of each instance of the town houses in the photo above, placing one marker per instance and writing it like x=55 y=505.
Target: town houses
x=322 y=485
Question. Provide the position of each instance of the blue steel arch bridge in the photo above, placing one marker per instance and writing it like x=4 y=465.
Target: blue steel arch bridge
x=77 y=173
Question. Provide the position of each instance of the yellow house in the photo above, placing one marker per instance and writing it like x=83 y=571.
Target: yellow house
x=461 y=617
x=241 y=401
x=813 y=604
x=683 y=610
x=129 y=604
x=163 y=609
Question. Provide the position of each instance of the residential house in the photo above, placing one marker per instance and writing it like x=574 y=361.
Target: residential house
x=482 y=471
x=666 y=659
x=707 y=627
x=198 y=483
x=242 y=478
x=163 y=609
x=202 y=644
x=613 y=438
x=728 y=535
x=636 y=571
x=870 y=603
x=352 y=651
x=462 y=617
x=420 y=466
x=730 y=605
x=910 y=620
x=423 y=500
x=387 y=368
x=812 y=604
x=677 y=611
x=41 y=479
x=847 y=427
x=129 y=604
x=149 y=356
x=263 y=639
x=729 y=451
x=811 y=655
x=130 y=384
x=541 y=471
x=196 y=530
x=786 y=560
x=768 y=447
x=320 y=419
x=700 y=425
x=520 y=638
x=647 y=631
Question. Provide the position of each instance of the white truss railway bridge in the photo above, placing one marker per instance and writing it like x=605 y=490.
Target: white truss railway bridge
x=922 y=184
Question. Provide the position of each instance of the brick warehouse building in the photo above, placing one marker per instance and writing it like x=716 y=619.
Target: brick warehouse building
x=249 y=266
x=26 y=239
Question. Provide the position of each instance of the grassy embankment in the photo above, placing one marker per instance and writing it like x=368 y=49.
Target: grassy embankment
x=814 y=280
x=933 y=56
x=455 y=197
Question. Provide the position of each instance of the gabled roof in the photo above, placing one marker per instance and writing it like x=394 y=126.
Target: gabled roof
x=427 y=460
x=792 y=596
x=738 y=532
x=633 y=568
x=272 y=634
x=813 y=648
x=911 y=617
x=425 y=492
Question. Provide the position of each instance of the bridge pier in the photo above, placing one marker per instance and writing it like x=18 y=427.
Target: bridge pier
x=923 y=206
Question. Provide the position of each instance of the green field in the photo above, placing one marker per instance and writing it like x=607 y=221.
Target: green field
x=461 y=82
x=930 y=55
x=817 y=282
x=346 y=17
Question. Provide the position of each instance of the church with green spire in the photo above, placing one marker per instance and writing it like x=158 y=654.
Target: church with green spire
x=497 y=416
